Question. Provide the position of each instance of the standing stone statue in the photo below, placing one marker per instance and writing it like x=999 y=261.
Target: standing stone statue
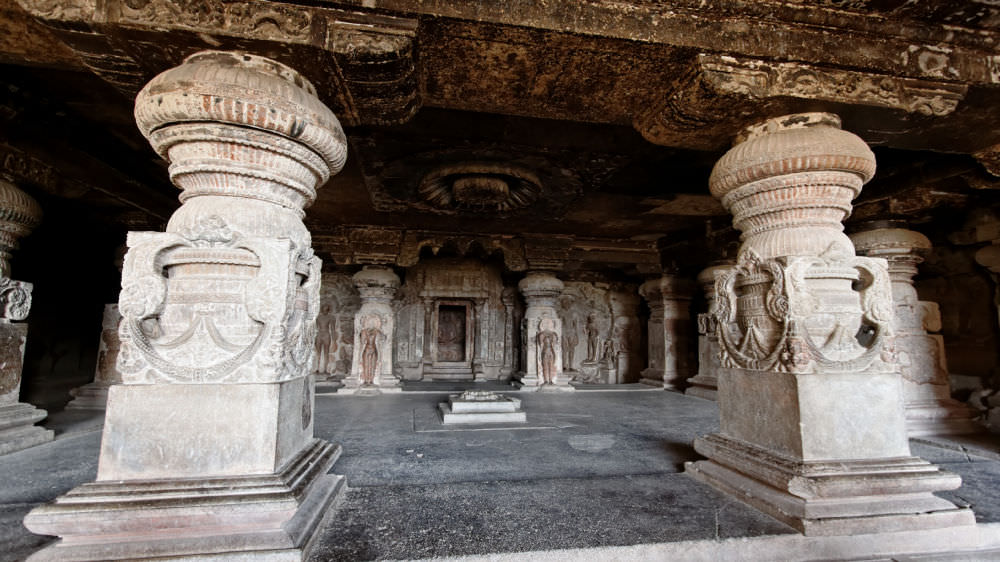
x=326 y=340
x=548 y=341
x=371 y=336
x=593 y=338
x=571 y=337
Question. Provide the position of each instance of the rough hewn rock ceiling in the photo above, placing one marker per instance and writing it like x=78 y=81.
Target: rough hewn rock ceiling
x=595 y=119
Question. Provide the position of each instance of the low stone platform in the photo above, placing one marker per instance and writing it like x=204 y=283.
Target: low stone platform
x=481 y=407
x=600 y=479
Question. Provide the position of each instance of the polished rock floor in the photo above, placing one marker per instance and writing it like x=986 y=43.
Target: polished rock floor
x=588 y=470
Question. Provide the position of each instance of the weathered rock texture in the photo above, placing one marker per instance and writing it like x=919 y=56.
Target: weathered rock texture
x=920 y=354
x=670 y=327
x=208 y=444
x=19 y=214
x=989 y=257
x=812 y=424
x=705 y=383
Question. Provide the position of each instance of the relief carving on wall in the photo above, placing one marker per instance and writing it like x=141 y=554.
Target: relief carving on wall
x=548 y=346
x=339 y=301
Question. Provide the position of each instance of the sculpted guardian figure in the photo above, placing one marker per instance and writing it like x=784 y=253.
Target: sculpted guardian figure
x=371 y=335
x=548 y=339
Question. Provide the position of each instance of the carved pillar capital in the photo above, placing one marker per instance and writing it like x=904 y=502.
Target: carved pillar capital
x=541 y=288
x=19 y=215
x=376 y=284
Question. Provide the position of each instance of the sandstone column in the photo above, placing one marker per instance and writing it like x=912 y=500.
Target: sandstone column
x=374 y=329
x=542 y=333
x=921 y=356
x=94 y=395
x=669 y=299
x=208 y=446
x=989 y=257
x=705 y=383
x=19 y=214
x=811 y=410
x=507 y=298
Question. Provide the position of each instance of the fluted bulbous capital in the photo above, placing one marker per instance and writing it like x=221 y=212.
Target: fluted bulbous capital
x=789 y=183
x=706 y=278
x=376 y=282
x=669 y=287
x=247 y=140
x=19 y=215
x=541 y=287
x=892 y=243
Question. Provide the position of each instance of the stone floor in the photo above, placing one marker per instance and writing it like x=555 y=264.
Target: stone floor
x=589 y=470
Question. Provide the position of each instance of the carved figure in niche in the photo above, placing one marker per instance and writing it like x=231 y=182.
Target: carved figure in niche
x=371 y=337
x=326 y=340
x=593 y=338
x=547 y=340
x=570 y=334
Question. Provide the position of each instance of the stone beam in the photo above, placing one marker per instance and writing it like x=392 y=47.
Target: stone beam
x=718 y=91
x=363 y=63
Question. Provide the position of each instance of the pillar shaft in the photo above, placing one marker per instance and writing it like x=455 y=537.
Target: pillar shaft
x=989 y=257
x=705 y=383
x=208 y=444
x=542 y=333
x=19 y=214
x=921 y=355
x=812 y=425
x=669 y=329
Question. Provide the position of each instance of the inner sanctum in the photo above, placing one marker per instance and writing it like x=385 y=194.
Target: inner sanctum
x=338 y=280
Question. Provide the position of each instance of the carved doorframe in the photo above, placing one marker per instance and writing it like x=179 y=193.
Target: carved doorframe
x=470 y=331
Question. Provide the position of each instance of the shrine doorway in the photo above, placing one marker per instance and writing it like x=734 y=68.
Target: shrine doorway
x=453 y=328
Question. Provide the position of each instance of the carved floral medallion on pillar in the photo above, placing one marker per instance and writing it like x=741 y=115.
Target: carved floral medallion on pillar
x=19 y=215
x=811 y=412
x=213 y=420
x=542 y=333
x=921 y=355
x=669 y=299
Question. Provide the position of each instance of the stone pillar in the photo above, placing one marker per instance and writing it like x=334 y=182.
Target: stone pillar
x=19 y=214
x=989 y=257
x=507 y=298
x=94 y=395
x=374 y=329
x=542 y=331
x=705 y=383
x=669 y=299
x=482 y=331
x=811 y=410
x=620 y=360
x=208 y=447
x=921 y=356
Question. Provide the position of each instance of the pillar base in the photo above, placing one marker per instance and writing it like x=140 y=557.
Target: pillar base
x=531 y=383
x=269 y=517
x=661 y=379
x=831 y=497
x=940 y=417
x=93 y=396
x=703 y=386
x=18 y=430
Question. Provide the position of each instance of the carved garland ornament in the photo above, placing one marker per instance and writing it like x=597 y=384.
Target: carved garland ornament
x=284 y=344
x=787 y=303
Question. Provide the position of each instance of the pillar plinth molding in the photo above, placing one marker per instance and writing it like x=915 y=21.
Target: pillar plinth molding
x=541 y=332
x=809 y=395
x=921 y=356
x=374 y=328
x=669 y=331
x=19 y=215
x=705 y=383
x=213 y=419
